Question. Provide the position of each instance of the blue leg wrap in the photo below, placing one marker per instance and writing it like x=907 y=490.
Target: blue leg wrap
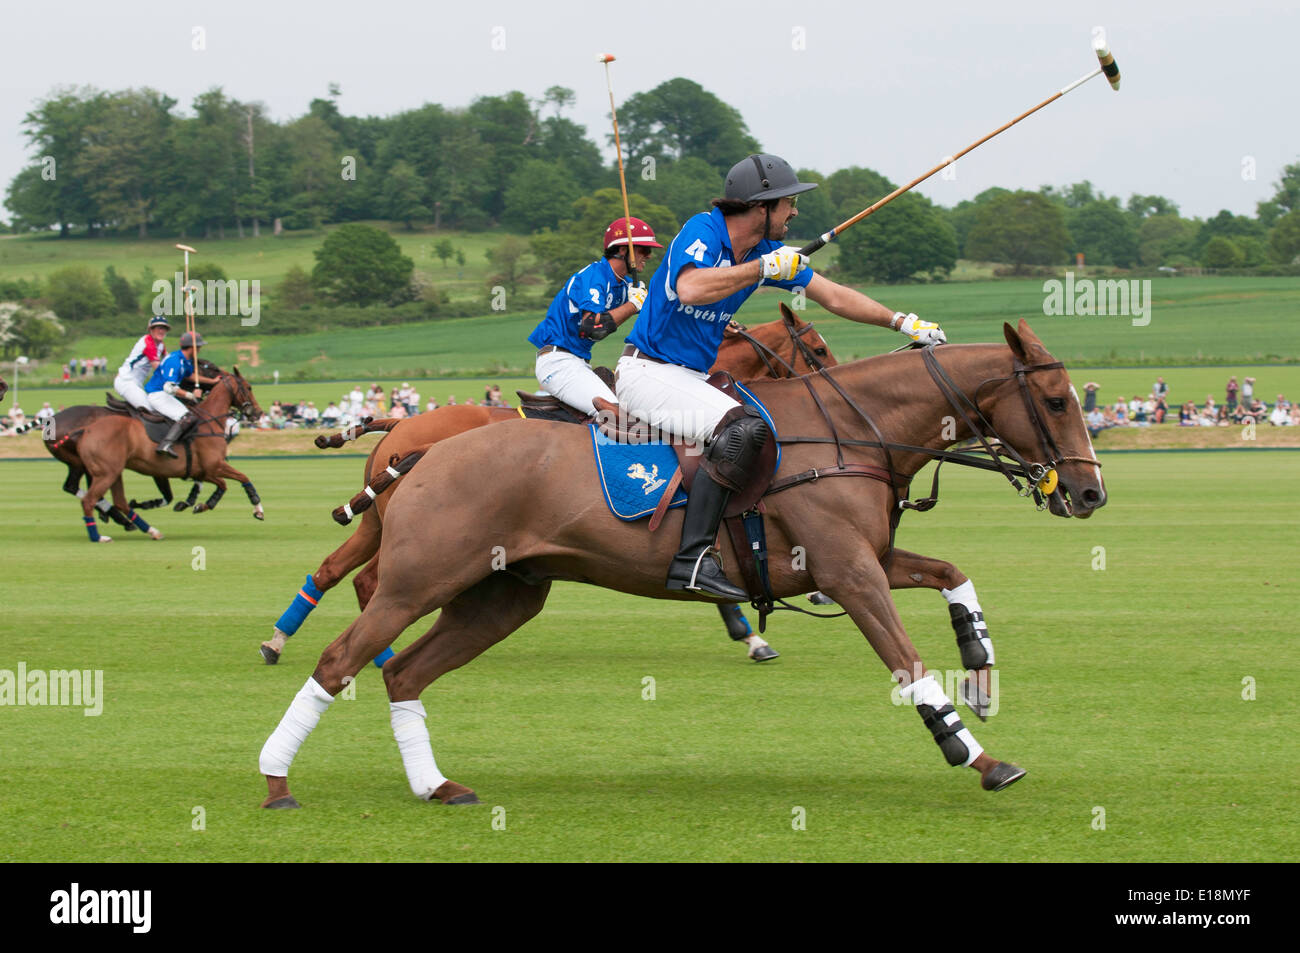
x=140 y=524
x=383 y=657
x=92 y=529
x=298 y=610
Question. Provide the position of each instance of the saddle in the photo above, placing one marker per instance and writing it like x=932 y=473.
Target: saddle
x=155 y=425
x=547 y=407
x=620 y=427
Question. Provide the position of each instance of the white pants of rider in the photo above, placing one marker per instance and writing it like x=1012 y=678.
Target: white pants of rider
x=167 y=405
x=131 y=391
x=572 y=380
x=671 y=398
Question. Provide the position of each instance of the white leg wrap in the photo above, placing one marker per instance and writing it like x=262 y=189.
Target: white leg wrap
x=104 y=505
x=303 y=714
x=417 y=754
x=927 y=691
x=964 y=595
x=81 y=493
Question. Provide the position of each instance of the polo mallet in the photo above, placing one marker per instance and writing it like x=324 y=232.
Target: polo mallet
x=1107 y=66
x=608 y=58
x=191 y=325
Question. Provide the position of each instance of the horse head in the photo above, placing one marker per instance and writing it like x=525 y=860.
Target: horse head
x=1036 y=411
x=241 y=395
x=779 y=349
x=3 y=388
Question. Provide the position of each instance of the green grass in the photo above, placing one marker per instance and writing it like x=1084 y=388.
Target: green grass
x=1119 y=689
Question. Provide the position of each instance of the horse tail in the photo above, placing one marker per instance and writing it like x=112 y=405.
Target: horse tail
x=367 y=425
x=30 y=425
x=343 y=515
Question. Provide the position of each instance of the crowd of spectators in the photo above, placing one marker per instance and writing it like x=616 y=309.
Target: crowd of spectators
x=1240 y=407
x=357 y=404
x=84 y=367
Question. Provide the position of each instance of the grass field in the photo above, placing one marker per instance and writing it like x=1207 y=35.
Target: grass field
x=1120 y=688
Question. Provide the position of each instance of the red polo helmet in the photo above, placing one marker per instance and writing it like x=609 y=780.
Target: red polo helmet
x=642 y=234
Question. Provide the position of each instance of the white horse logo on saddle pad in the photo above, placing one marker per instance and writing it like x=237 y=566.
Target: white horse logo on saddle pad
x=638 y=471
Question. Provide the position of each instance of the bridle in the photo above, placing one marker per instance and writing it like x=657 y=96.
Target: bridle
x=246 y=407
x=798 y=348
x=1041 y=476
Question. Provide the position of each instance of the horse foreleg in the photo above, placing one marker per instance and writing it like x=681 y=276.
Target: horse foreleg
x=910 y=571
x=224 y=469
x=360 y=546
x=164 y=486
x=739 y=630
x=189 y=500
x=863 y=590
x=470 y=624
x=383 y=620
x=211 y=502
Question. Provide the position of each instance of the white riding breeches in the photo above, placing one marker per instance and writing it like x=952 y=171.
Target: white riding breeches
x=572 y=380
x=132 y=392
x=671 y=398
x=167 y=405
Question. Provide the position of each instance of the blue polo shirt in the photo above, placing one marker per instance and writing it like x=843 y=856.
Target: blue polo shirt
x=175 y=368
x=691 y=334
x=596 y=288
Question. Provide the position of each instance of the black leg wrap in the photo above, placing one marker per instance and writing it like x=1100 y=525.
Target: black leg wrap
x=973 y=653
x=252 y=493
x=214 y=499
x=945 y=731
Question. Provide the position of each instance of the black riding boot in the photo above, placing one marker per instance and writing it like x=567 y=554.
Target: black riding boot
x=174 y=434
x=695 y=568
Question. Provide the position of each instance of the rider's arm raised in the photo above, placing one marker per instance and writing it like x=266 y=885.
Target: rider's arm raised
x=706 y=285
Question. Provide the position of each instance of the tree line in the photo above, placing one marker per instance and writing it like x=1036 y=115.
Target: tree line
x=126 y=162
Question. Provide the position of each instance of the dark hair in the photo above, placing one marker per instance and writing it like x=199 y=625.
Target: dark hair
x=730 y=207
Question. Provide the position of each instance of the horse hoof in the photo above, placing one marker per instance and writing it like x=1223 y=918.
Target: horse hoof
x=154 y=534
x=259 y=514
x=449 y=792
x=820 y=599
x=1001 y=775
x=201 y=508
x=269 y=653
x=104 y=539
x=764 y=652
x=288 y=801
x=181 y=506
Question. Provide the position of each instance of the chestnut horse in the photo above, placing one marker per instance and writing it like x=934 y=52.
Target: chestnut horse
x=777 y=349
x=542 y=509
x=105 y=444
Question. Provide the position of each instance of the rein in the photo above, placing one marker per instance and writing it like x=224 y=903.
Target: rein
x=1038 y=475
x=798 y=347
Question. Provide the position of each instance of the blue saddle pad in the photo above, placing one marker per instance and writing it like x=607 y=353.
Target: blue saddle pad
x=634 y=477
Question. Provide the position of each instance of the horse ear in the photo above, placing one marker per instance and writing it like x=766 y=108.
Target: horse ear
x=1014 y=341
x=788 y=316
x=1031 y=340
x=236 y=370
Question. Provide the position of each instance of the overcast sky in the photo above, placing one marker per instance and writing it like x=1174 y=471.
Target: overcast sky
x=1208 y=114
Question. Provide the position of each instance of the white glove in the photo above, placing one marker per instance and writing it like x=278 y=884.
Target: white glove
x=922 y=332
x=636 y=294
x=784 y=263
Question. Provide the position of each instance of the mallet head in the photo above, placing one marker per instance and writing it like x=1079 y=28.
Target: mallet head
x=1104 y=58
x=605 y=58
x=187 y=248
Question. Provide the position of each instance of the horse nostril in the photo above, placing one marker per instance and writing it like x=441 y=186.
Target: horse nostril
x=1093 y=498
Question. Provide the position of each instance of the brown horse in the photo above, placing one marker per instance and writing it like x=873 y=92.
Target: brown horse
x=105 y=444
x=777 y=349
x=542 y=510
